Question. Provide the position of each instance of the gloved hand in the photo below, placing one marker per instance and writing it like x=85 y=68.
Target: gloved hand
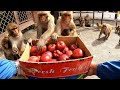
x=40 y=43
x=7 y=69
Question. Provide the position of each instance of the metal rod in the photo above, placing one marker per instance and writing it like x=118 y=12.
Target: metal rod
x=102 y=17
x=93 y=17
x=116 y=15
x=80 y=13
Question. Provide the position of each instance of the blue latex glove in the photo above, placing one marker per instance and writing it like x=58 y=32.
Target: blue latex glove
x=7 y=68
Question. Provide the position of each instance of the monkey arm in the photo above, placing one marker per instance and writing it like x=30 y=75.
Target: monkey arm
x=57 y=31
x=51 y=27
x=13 y=42
x=58 y=27
x=22 y=48
x=39 y=29
x=73 y=27
x=100 y=33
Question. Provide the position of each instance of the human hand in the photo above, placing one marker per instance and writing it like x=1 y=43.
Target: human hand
x=93 y=69
x=20 y=72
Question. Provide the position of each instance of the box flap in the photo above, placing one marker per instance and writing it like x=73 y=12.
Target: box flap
x=26 y=54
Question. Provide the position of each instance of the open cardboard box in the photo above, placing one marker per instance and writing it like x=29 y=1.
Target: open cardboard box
x=58 y=69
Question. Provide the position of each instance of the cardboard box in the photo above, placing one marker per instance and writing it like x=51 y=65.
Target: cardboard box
x=58 y=69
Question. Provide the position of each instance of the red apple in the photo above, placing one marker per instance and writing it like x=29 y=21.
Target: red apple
x=65 y=49
x=60 y=45
x=45 y=58
x=34 y=59
x=34 y=51
x=44 y=49
x=51 y=47
x=57 y=53
x=73 y=47
x=53 y=60
x=63 y=57
x=49 y=53
x=77 y=53
x=69 y=53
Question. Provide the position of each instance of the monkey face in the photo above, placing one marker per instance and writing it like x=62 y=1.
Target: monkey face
x=14 y=32
x=104 y=27
x=13 y=29
x=43 y=17
x=66 y=18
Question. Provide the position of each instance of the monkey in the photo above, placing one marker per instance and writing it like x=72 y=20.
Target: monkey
x=87 y=21
x=65 y=25
x=16 y=38
x=82 y=21
x=7 y=49
x=45 y=27
x=106 y=30
x=99 y=26
x=117 y=30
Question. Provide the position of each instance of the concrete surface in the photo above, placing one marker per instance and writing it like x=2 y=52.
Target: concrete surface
x=97 y=15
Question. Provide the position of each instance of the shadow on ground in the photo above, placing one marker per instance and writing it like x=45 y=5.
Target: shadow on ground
x=117 y=46
x=98 y=42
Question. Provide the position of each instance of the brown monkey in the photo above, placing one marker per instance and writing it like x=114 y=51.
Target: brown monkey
x=99 y=26
x=16 y=38
x=7 y=48
x=87 y=21
x=117 y=30
x=106 y=30
x=45 y=27
x=65 y=25
x=81 y=20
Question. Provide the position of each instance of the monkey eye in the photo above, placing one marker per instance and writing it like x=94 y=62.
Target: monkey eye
x=14 y=28
x=66 y=14
x=42 y=14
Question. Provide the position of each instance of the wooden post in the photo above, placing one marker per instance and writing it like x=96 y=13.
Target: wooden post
x=16 y=17
x=39 y=30
x=116 y=15
x=93 y=18
x=80 y=13
x=35 y=17
x=102 y=17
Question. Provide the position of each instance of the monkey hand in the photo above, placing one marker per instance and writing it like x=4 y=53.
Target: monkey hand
x=30 y=41
x=54 y=37
x=20 y=53
x=40 y=44
x=15 y=50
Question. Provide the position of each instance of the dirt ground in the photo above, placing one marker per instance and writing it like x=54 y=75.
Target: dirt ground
x=101 y=50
